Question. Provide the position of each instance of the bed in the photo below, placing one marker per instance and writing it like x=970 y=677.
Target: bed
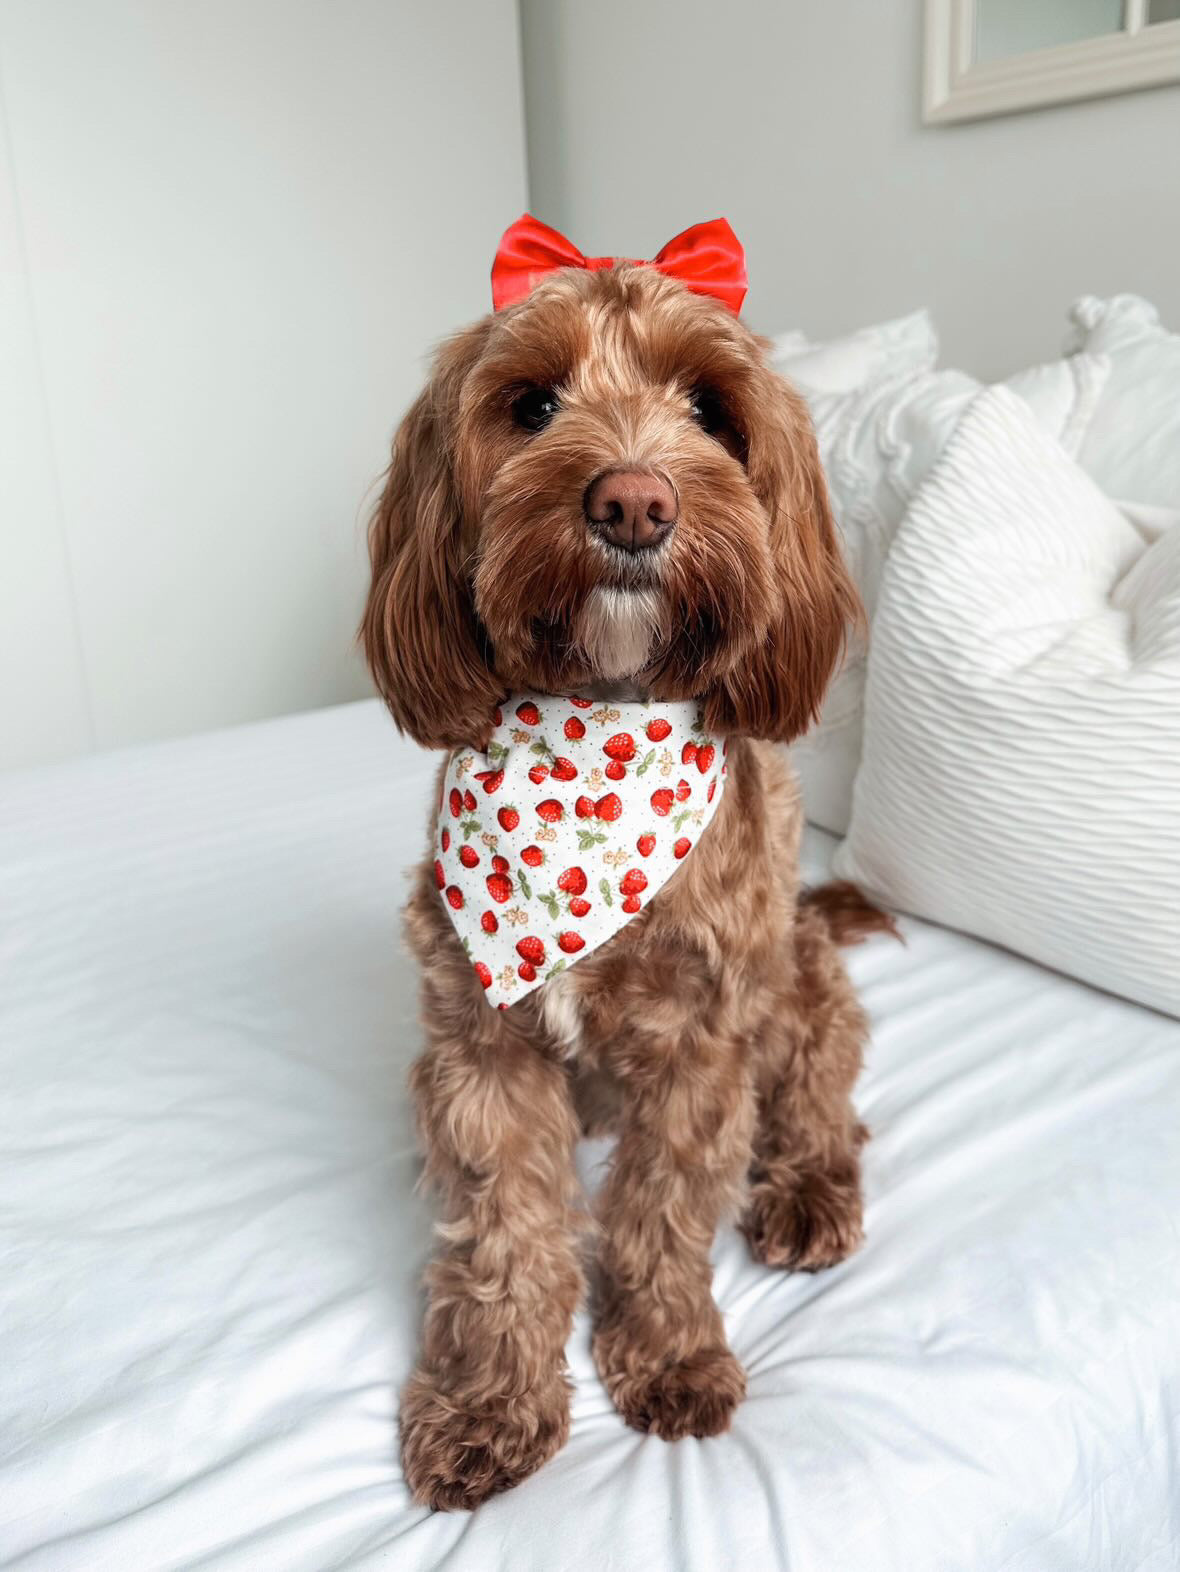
x=211 y=1241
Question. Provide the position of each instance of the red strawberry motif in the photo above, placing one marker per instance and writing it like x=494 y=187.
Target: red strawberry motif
x=688 y=753
x=469 y=800
x=483 y=973
x=705 y=757
x=528 y=714
x=646 y=844
x=492 y=782
x=574 y=729
x=499 y=886
x=573 y=881
x=662 y=800
x=658 y=729
x=608 y=807
x=526 y=971
x=497 y=716
x=615 y=771
x=530 y=949
x=533 y=855
x=489 y=923
x=631 y=904
x=633 y=881
x=564 y=770
x=712 y=791
x=508 y=818
x=550 y=810
x=469 y=857
x=621 y=747
x=583 y=704
x=683 y=790
x=538 y=773
x=584 y=807
x=570 y=942
x=500 y=865
x=456 y=802
x=579 y=907
x=454 y=896
x=682 y=848
x=446 y=840
x=440 y=877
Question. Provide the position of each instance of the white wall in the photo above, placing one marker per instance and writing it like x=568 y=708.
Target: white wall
x=799 y=122
x=229 y=230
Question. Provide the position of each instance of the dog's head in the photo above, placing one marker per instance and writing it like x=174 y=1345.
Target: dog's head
x=605 y=482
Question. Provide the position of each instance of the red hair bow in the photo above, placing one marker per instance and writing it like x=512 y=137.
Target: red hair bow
x=708 y=258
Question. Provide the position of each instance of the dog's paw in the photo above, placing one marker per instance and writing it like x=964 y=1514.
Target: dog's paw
x=694 y=1396
x=815 y=1223
x=455 y=1456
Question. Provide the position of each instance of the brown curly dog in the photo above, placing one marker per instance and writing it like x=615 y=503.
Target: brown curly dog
x=718 y=1034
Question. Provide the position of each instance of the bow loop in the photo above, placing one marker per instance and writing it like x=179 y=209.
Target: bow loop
x=707 y=258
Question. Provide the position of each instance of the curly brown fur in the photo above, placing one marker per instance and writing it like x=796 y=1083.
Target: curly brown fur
x=720 y=1038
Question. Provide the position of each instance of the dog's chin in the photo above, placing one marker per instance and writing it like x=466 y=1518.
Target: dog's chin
x=617 y=629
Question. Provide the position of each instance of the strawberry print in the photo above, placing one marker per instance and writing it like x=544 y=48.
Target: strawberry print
x=571 y=847
x=499 y=886
x=497 y=716
x=531 y=949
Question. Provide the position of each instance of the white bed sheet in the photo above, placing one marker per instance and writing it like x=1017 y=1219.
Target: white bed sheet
x=210 y=1242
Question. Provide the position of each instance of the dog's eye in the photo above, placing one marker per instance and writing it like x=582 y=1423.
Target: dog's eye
x=708 y=411
x=535 y=408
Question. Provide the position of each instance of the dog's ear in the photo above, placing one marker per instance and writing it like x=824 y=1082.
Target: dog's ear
x=776 y=692
x=420 y=633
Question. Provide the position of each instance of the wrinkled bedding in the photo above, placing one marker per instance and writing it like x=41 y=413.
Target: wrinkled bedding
x=210 y=1239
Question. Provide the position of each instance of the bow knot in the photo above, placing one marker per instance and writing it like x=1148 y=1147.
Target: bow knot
x=708 y=259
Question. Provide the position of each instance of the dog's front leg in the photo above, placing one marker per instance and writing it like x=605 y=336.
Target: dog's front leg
x=489 y=1402
x=682 y=1154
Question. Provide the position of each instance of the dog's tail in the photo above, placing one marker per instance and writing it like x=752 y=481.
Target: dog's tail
x=848 y=915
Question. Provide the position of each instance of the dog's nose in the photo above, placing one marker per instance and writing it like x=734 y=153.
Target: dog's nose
x=631 y=508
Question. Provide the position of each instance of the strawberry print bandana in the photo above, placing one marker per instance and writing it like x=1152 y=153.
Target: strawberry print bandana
x=565 y=829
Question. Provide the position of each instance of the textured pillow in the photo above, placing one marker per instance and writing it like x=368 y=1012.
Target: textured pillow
x=1020 y=777
x=1131 y=445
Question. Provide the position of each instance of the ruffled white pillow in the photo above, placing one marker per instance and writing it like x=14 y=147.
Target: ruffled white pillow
x=1020 y=777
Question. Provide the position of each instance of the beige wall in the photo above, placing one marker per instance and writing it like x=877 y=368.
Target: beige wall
x=799 y=122
x=229 y=230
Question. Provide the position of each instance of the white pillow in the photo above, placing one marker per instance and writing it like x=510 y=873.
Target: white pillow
x=1131 y=445
x=1021 y=770
x=842 y=380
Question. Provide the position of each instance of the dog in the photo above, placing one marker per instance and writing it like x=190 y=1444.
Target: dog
x=605 y=491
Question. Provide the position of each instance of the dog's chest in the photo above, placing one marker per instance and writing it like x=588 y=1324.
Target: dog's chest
x=561 y=1011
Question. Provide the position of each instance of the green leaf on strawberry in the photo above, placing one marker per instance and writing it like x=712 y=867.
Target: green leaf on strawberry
x=679 y=818
x=558 y=966
x=589 y=838
x=524 y=884
x=549 y=901
x=642 y=770
x=604 y=891
x=469 y=827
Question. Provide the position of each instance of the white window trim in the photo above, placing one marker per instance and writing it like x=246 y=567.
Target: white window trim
x=953 y=88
